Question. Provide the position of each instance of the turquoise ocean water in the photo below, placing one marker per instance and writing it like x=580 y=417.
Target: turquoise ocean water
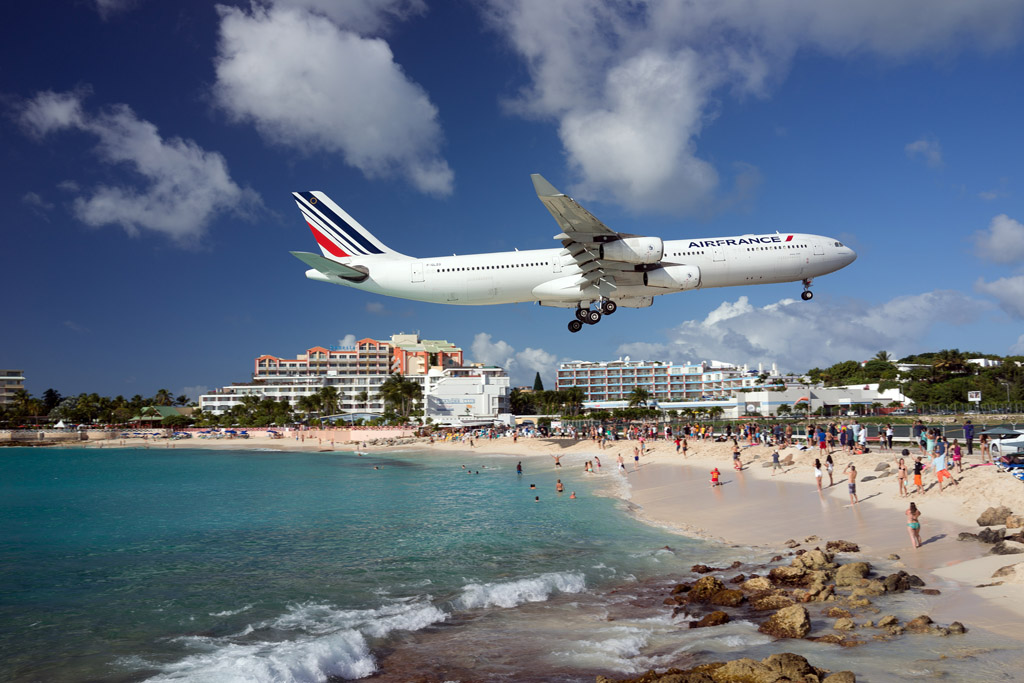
x=199 y=565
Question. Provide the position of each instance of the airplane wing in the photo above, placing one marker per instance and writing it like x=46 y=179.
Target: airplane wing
x=582 y=236
x=577 y=223
x=329 y=267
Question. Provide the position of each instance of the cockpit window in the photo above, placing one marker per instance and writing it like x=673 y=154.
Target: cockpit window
x=839 y=244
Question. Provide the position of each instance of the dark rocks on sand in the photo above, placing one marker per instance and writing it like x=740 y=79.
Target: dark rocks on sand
x=1007 y=548
x=777 y=558
x=870 y=477
x=739 y=578
x=994 y=516
x=716 y=618
x=841 y=677
x=886 y=621
x=915 y=581
x=788 y=622
x=791 y=543
x=841 y=546
x=897 y=583
x=830 y=638
x=931 y=591
x=681 y=588
x=893 y=557
x=702 y=569
x=987 y=535
x=881 y=467
x=967 y=536
x=838 y=613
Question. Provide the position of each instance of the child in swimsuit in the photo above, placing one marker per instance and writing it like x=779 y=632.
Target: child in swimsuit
x=714 y=476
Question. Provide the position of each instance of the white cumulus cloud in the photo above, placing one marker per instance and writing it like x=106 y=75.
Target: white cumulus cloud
x=1002 y=242
x=929 y=151
x=308 y=83
x=178 y=188
x=797 y=337
x=631 y=85
x=521 y=366
x=1007 y=291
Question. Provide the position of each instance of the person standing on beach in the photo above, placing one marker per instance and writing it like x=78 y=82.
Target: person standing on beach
x=622 y=465
x=918 y=468
x=969 y=437
x=736 y=464
x=558 y=460
x=956 y=455
x=775 y=462
x=901 y=475
x=829 y=467
x=939 y=463
x=519 y=468
x=714 y=477
x=851 y=471
x=684 y=447
x=817 y=473
x=914 y=525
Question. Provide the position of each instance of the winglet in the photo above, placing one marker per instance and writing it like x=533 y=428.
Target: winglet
x=543 y=187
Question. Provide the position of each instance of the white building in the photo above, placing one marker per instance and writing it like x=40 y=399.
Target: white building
x=468 y=395
x=358 y=371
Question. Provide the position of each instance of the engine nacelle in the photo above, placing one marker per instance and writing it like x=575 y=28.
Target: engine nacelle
x=641 y=250
x=673 y=277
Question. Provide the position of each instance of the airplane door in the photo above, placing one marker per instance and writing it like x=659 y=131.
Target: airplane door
x=818 y=250
x=556 y=263
x=718 y=253
x=417 y=271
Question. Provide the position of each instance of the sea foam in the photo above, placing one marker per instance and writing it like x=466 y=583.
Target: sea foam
x=512 y=593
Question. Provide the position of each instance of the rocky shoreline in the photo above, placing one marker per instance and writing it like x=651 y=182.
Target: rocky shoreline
x=784 y=600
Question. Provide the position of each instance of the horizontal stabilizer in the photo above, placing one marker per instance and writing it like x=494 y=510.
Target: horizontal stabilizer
x=329 y=267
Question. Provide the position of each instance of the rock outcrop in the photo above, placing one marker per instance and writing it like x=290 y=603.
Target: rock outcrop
x=788 y=622
x=994 y=516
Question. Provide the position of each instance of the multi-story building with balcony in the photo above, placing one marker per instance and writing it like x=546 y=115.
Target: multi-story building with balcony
x=10 y=382
x=358 y=370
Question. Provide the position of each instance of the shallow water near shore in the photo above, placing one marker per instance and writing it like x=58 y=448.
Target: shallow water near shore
x=125 y=565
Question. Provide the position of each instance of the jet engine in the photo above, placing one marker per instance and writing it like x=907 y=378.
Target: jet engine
x=640 y=250
x=673 y=277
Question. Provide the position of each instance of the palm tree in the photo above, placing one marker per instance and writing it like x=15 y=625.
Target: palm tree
x=639 y=397
x=574 y=399
x=162 y=398
x=182 y=400
x=308 y=404
x=883 y=356
x=328 y=400
x=783 y=409
x=363 y=397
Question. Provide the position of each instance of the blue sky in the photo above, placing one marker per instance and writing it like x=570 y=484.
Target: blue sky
x=149 y=151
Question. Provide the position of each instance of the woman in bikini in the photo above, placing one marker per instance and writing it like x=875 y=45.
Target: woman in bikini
x=914 y=525
x=901 y=477
x=817 y=473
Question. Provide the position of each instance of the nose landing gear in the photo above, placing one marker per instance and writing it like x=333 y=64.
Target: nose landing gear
x=807 y=294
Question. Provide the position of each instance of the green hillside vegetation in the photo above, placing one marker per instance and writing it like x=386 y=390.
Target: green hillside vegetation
x=945 y=379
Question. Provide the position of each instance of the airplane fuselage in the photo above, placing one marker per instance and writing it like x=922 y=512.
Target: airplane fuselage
x=553 y=276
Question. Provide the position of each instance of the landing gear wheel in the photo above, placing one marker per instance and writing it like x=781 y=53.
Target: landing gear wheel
x=593 y=317
x=807 y=295
x=581 y=314
x=575 y=326
x=608 y=307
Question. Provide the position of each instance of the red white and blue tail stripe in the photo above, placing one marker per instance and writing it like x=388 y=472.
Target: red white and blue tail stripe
x=338 y=234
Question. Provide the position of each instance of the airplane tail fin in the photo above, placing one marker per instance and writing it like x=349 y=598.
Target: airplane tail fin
x=338 y=234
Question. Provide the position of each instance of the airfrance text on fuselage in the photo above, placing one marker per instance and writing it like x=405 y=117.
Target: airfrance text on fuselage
x=743 y=240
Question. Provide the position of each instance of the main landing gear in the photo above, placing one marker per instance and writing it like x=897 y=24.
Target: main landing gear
x=592 y=317
x=807 y=293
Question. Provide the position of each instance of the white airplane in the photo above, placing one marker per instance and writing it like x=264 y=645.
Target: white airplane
x=595 y=264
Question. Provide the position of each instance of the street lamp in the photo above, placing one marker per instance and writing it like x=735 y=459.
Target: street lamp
x=1007 y=385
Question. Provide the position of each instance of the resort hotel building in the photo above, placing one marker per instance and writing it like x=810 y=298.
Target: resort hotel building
x=10 y=382
x=738 y=390
x=451 y=391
